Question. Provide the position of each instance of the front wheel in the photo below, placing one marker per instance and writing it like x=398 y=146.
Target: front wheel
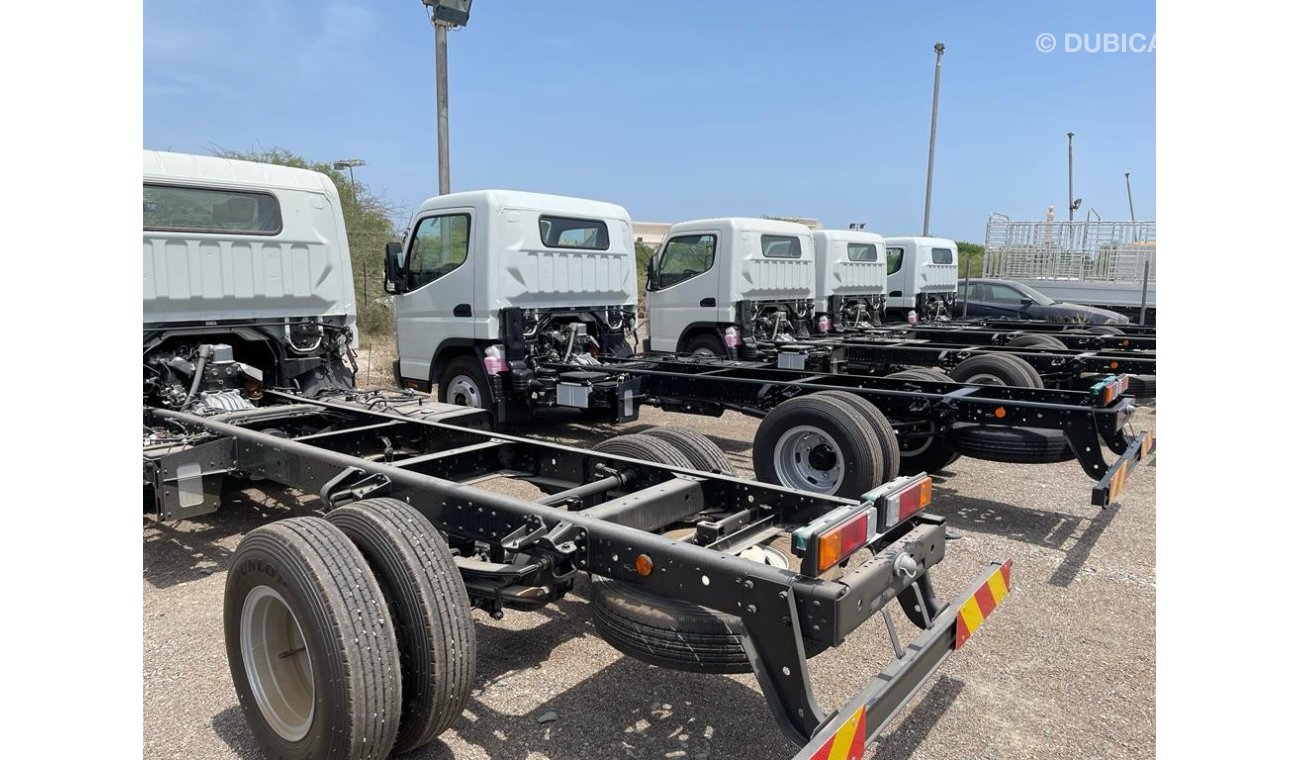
x=705 y=344
x=463 y=383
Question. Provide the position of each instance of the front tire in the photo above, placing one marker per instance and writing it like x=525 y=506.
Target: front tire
x=312 y=652
x=464 y=383
x=706 y=344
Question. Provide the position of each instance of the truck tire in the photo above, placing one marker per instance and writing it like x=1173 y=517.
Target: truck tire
x=312 y=653
x=707 y=344
x=821 y=444
x=1105 y=330
x=702 y=452
x=464 y=383
x=926 y=454
x=1009 y=444
x=645 y=447
x=997 y=369
x=674 y=634
x=1032 y=339
x=880 y=423
x=430 y=612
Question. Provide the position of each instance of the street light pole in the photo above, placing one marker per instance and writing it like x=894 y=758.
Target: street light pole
x=1070 y=199
x=1131 y=216
x=350 y=164
x=444 y=14
x=934 y=125
x=440 y=66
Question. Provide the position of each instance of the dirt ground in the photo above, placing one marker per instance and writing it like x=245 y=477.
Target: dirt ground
x=1064 y=668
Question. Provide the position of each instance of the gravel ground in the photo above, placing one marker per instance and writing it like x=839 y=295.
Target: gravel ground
x=1066 y=667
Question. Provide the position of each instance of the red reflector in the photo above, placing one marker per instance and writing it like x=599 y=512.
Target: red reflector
x=841 y=541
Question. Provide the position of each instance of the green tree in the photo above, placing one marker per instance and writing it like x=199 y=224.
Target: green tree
x=368 y=218
x=972 y=253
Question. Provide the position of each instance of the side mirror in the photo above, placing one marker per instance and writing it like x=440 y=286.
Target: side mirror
x=651 y=281
x=394 y=273
x=1026 y=302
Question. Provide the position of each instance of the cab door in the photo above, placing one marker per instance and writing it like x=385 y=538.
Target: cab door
x=439 y=300
x=683 y=288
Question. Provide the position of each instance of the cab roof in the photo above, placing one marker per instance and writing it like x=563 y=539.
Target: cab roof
x=559 y=204
x=743 y=224
x=186 y=167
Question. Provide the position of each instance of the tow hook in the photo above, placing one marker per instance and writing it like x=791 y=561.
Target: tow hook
x=904 y=566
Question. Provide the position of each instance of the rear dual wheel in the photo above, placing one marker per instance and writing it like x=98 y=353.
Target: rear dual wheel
x=825 y=444
x=348 y=637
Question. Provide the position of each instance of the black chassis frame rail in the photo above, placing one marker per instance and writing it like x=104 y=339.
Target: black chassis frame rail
x=866 y=351
x=957 y=333
x=706 y=385
x=581 y=529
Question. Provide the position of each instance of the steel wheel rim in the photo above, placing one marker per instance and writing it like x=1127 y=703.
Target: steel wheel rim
x=917 y=448
x=277 y=663
x=796 y=455
x=463 y=391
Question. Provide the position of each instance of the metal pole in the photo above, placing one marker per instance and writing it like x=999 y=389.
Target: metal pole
x=934 y=125
x=1131 y=216
x=440 y=65
x=965 y=302
x=1146 y=273
x=1070 y=200
x=353 y=176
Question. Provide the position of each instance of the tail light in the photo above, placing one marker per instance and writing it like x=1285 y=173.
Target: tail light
x=823 y=324
x=831 y=538
x=731 y=336
x=1110 y=389
x=494 y=360
x=911 y=496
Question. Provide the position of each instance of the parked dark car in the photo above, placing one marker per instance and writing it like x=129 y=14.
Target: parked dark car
x=1011 y=299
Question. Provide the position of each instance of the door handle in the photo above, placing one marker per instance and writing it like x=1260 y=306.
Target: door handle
x=708 y=302
x=462 y=310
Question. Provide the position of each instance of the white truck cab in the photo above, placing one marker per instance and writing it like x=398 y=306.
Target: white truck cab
x=490 y=284
x=722 y=285
x=922 y=276
x=247 y=282
x=850 y=279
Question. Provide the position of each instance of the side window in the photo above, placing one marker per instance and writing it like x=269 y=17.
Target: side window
x=684 y=257
x=893 y=260
x=781 y=247
x=961 y=290
x=561 y=232
x=862 y=252
x=211 y=210
x=941 y=255
x=1003 y=294
x=439 y=245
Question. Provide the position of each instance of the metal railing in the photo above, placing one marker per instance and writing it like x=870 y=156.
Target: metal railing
x=1085 y=250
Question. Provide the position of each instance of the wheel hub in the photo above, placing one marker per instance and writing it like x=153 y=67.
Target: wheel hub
x=277 y=663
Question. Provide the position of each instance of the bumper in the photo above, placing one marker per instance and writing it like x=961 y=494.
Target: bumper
x=846 y=734
x=1106 y=490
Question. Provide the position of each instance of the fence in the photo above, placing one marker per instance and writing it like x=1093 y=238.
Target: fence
x=1092 y=250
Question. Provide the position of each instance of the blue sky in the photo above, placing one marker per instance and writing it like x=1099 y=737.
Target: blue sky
x=678 y=109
